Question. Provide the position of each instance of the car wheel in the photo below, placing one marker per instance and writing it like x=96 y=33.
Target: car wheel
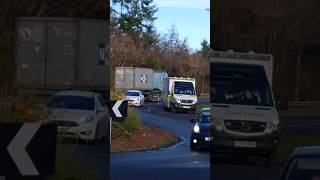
x=96 y=136
x=173 y=109
x=193 y=147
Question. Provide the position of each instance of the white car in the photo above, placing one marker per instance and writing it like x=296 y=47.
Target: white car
x=134 y=97
x=78 y=114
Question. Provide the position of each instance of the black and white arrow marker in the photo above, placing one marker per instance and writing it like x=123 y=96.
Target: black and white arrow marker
x=27 y=149
x=17 y=149
x=119 y=109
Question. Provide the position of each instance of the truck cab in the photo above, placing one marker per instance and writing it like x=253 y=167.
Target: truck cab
x=179 y=94
x=243 y=109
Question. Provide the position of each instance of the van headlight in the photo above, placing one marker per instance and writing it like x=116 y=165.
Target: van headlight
x=177 y=100
x=274 y=124
x=196 y=128
x=216 y=125
x=196 y=100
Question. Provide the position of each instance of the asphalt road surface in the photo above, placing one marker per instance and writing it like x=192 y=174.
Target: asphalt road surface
x=173 y=163
x=178 y=162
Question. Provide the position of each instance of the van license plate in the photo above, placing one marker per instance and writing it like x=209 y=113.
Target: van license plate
x=207 y=138
x=187 y=107
x=247 y=144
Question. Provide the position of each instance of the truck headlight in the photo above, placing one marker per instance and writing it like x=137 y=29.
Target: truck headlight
x=196 y=128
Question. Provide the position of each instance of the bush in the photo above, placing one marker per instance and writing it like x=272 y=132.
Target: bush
x=126 y=127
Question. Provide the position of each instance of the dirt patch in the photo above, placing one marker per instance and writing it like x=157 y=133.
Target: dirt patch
x=144 y=138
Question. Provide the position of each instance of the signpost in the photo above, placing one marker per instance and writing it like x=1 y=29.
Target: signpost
x=27 y=150
x=118 y=110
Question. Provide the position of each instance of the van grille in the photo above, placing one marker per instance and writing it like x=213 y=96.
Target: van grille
x=186 y=101
x=245 y=126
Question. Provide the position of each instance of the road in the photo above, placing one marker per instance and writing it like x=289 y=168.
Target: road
x=176 y=162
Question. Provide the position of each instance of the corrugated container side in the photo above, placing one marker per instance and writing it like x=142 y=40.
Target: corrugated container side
x=158 y=79
x=143 y=78
x=61 y=53
x=30 y=49
x=92 y=42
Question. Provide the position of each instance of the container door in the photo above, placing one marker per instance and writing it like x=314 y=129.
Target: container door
x=119 y=78
x=61 y=55
x=129 y=78
x=30 y=47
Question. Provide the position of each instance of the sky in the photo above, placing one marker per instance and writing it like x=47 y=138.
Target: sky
x=189 y=17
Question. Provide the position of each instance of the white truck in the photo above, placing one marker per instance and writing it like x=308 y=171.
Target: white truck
x=179 y=93
x=243 y=109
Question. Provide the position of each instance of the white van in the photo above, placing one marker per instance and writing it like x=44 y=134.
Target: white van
x=244 y=114
x=179 y=94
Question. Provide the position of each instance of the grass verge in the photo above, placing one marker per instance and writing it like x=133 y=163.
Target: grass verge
x=144 y=138
x=127 y=126
x=67 y=167
x=132 y=135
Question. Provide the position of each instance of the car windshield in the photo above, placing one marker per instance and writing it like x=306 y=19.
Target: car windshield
x=204 y=117
x=240 y=84
x=186 y=88
x=132 y=93
x=71 y=102
x=304 y=169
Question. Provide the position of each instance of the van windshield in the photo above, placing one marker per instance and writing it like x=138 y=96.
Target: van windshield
x=186 y=88
x=240 y=84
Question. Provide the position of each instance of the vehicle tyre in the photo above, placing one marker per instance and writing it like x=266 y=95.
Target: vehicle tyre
x=96 y=136
x=193 y=147
x=173 y=109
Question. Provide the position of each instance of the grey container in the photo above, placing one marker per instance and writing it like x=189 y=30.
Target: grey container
x=133 y=78
x=62 y=53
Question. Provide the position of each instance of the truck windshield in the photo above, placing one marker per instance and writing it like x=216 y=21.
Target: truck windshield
x=181 y=87
x=240 y=84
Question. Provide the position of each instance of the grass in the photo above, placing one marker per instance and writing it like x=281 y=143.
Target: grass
x=67 y=168
x=123 y=129
x=289 y=142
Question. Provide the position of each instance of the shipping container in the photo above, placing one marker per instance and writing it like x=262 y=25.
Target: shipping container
x=137 y=78
x=158 y=77
x=62 y=53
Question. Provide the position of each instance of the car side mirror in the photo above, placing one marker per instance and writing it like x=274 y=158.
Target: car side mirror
x=193 y=120
x=282 y=105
